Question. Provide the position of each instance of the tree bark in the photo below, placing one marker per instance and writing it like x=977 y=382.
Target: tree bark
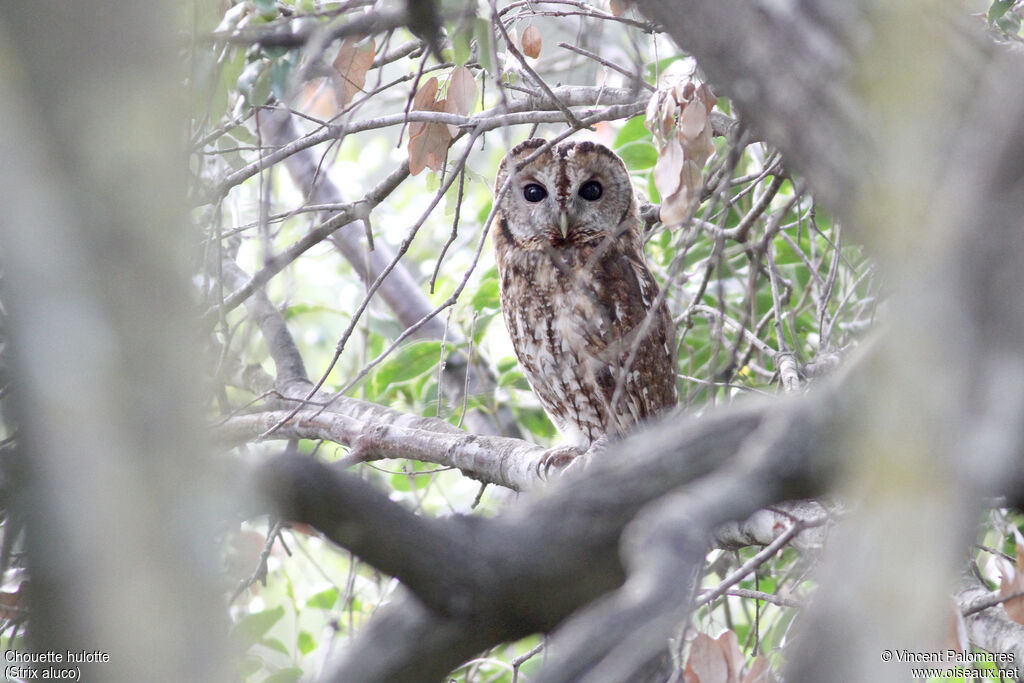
x=112 y=477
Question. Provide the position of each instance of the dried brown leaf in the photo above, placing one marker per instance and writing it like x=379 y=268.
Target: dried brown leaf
x=676 y=208
x=759 y=672
x=668 y=169
x=451 y=108
x=707 y=97
x=691 y=176
x=715 y=660
x=653 y=107
x=699 y=149
x=350 y=67
x=684 y=91
x=734 y=659
x=424 y=100
x=618 y=7
x=429 y=149
x=669 y=110
x=531 y=42
x=319 y=98
x=661 y=115
x=462 y=90
x=692 y=121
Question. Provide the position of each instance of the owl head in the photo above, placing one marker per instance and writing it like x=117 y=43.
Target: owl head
x=572 y=194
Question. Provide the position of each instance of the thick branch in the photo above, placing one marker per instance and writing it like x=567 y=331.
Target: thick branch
x=539 y=562
x=512 y=463
x=990 y=628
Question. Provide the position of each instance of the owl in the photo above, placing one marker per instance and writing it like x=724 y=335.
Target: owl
x=579 y=301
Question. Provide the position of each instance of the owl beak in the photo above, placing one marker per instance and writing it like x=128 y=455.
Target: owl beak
x=563 y=223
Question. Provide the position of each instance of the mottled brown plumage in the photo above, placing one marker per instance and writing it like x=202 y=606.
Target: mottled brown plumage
x=576 y=293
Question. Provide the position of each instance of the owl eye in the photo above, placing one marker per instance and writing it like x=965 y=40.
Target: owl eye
x=534 y=193
x=591 y=190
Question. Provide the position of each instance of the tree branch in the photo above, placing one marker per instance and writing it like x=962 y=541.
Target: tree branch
x=537 y=563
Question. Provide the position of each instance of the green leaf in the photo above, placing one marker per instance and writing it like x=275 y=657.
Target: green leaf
x=655 y=69
x=506 y=364
x=306 y=642
x=260 y=92
x=248 y=76
x=484 y=212
x=461 y=43
x=401 y=482
x=513 y=378
x=253 y=627
x=486 y=295
x=482 y=322
x=266 y=8
x=227 y=83
x=305 y=309
x=432 y=181
x=289 y=675
x=325 y=599
x=405 y=482
x=275 y=644
x=243 y=135
x=482 y=32
x=250 y=665
x=537 y=422
x=652 y=191
x=998 y=9
x=280 y=71
x=633 y=130
x=639 y=155
x=412 y=361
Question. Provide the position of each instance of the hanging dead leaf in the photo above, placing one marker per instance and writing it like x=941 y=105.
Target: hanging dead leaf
x=707 y=97
x=675 y=209
x=661 y=116
x=678 y=207
x=700 y=148
x=451 y=108
x=651 y=115
x=319 y=98
x=691 y=176
x=350 y=67
x=692 y=121
x=424 y=100
x=462 y=90
x=428 y=141
x=714 y=660
x=684 y=91
x=668 y=169
x=759 y=672
x=429 y=149
x=618 y=7
x=531 y=42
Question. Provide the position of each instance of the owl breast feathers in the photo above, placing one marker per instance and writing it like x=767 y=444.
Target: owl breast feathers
x=577 y=296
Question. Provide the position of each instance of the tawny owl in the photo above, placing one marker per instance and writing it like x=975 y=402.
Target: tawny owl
x=578 y=298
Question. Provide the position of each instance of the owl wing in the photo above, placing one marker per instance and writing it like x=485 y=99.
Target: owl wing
x=632 y=341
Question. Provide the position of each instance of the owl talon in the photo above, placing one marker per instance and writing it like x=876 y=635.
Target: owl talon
x=557 y=458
